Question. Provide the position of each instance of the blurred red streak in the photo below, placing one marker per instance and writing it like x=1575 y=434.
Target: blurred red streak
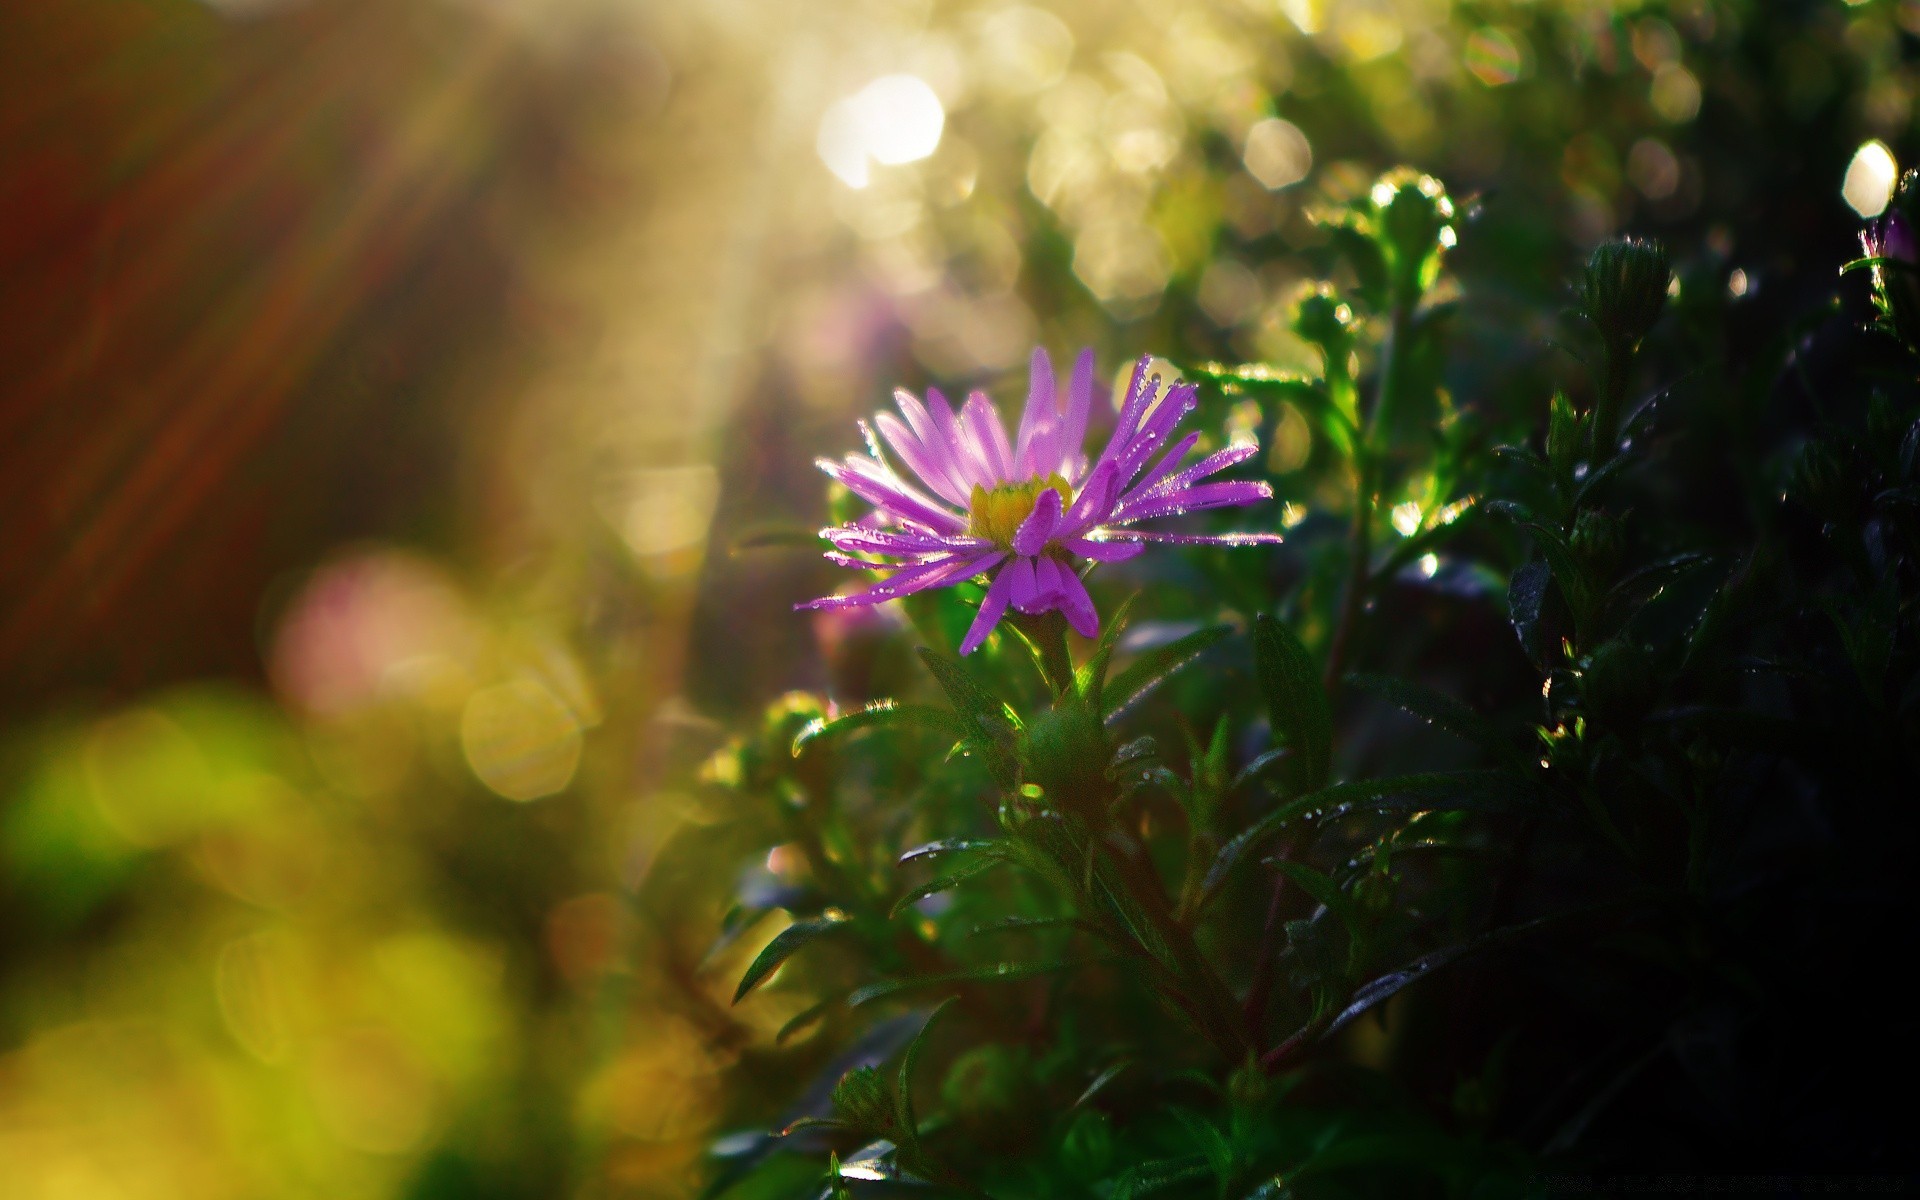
x=225 y=354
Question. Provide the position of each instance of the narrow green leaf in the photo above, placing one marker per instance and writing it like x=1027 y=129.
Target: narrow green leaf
x=1526 y=604
x=1296 y=701
x=988 y=721
x=1133 y=756
x=1259 y=766
x=1101 y=1081
x=960 y=874
x=800 y=1020
x=1434 y=707
x=1004 y=972
x=1566 y=568
x=1599 y=478
x=1161 y=1174
x=879 y=714
x=1029 y=924
x=1213 y=1144
x=1323 y=889
x=1091 y=680
x=943 y=847
x=1154 y=667
x=1703 y=640
x=783 y=947
x=909 y=1127
x=1440 y=790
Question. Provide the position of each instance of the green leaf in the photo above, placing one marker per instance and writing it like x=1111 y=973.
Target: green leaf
x=960 y=874
x=1439 y=790
x=1526 y=604
x=1258 y=767
x=1154 y=667
x=945 y=846
x=783 y=947
x=1327 y=892
x=1434 y=707
x=1213 y=1144
x=1029 y=924
x=1296 y=701
x=1003 y=972
x=1161 y=1174
x=988 y=721
x=802 y=1019
x=1101 y=1081
x=1567 y=571
x=1598 y=479
x=903 y=1114
x=1705 y=638
x=879 y=714
x=1091 y=680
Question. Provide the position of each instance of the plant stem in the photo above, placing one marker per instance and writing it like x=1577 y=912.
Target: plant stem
x=1219 y=1014
x=1606 y=408
x=1046 y=638
x=1353 y=601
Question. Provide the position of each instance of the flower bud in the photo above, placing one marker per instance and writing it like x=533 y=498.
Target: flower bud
x=1596 y=542
x=863 y=1100
x=1624 y=289
x=985 y=1083
x=1325 y=320
x=1064 y=753
x=1414 y=223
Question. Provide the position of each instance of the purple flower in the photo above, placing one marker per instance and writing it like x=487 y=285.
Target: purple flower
x=1030 y=510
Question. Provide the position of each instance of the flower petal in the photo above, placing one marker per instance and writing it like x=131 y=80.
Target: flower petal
x=912 y=579
x=878 y=486
x=1212 y=464
x=1072 y=433
x=1103 y=551
x=1169 y=462
x=1156 y=425
x=1022 y=590
x=1094 y=504
x=982 y=422
x=1034 y=532
x=1223 y=494
x=935 y=442
x=899 y=541
x=968 y=469
x=991 y=610
x=1069 y=595
x=1137 y=536
x=1038 y=420
x=932 y=470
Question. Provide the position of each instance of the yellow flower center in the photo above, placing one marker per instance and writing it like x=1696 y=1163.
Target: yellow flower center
x=998 y=514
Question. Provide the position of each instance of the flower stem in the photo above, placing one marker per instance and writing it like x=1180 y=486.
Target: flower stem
x=1353 y=601
x=1046 y=639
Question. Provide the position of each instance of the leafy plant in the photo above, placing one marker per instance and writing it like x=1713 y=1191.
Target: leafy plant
x=1276 y=895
